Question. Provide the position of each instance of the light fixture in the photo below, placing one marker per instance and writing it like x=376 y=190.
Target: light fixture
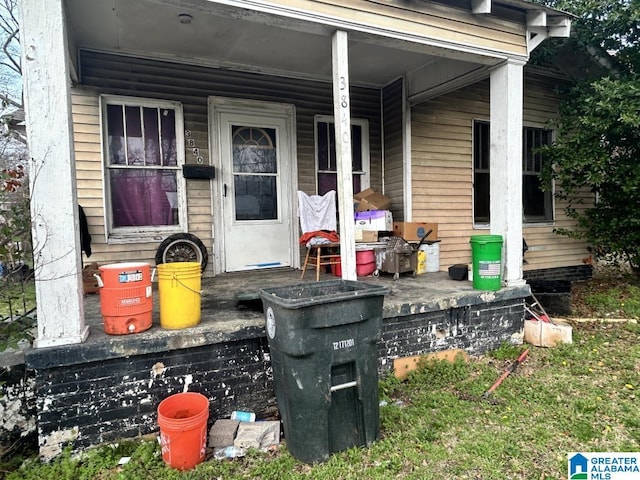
x=185 y=18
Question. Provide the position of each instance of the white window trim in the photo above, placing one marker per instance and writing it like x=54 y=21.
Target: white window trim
x=135 y=234
x=365 y=181
x=486 y=226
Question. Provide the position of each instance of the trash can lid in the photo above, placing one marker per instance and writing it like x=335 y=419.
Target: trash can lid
x=305 y=294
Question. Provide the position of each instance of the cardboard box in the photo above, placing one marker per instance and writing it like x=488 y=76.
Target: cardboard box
x=89 y=282
x=414 y=231
x=374 y=220
x=369 y=199
x=366 y=235
x=545 y=334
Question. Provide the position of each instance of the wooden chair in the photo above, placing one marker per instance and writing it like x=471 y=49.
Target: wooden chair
x=318 y=224
x=319 y=256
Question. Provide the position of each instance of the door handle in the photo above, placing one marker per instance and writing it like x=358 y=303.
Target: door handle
x=224 y=194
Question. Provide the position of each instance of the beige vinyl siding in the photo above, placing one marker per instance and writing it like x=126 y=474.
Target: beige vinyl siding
x=547 y=249
x=192 y=85
x=429 y=21
x=393 y=148
x=442 y=174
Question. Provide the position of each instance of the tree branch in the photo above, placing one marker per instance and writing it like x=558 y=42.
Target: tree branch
x=14 y=64
x=9 y=101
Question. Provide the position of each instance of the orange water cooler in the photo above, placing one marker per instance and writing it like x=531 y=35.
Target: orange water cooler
x=126 y=300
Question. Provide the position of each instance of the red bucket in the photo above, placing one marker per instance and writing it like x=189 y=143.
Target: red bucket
x=183 y=429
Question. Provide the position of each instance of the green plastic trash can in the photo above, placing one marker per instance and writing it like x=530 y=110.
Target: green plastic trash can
x=323 y=341
x=486 y=252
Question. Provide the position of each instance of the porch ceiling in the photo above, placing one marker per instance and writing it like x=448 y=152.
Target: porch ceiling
x=227 y=37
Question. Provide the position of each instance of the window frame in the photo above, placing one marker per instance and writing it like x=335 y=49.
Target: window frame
x=549 y=219
x=365 y=173
x=487 y=171
x=142 y=234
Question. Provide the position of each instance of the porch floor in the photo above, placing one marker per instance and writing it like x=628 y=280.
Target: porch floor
x=225 y=318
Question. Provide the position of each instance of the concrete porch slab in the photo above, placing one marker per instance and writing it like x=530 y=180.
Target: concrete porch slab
x=231 y=310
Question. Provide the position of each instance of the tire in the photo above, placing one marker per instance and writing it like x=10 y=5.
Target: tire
x=182 y=247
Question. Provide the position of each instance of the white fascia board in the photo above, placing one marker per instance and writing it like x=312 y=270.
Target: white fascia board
x=269 y=8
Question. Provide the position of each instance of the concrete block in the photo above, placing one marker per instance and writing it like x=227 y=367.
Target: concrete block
x=223 y=433
x=258 y=435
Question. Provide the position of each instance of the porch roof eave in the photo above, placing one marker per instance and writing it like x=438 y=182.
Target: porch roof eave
x=405 y=46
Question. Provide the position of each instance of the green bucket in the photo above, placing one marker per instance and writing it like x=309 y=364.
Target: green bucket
x=486 y=253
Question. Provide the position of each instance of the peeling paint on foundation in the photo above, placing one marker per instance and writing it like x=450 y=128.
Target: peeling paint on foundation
x=51 y=446
x=188 y=380
x=157 y=370
x=16 y=401
x=488 y=296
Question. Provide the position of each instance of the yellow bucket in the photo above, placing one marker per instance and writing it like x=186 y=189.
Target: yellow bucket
x=179 y=294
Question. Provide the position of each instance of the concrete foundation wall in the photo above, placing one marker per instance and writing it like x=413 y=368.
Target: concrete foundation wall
x=17 y=406
x=102 y=401
x=581 y=272
x=89 y=403
x=475 y=329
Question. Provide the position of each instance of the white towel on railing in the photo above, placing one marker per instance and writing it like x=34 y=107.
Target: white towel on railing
x=317 y=212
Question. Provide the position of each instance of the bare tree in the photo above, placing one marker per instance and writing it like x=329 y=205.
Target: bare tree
x=11 y=105
x=10 y=67
x=15 y=227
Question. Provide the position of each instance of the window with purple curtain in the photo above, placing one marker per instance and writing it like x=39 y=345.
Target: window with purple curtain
x=142 y=165
x=326 y=156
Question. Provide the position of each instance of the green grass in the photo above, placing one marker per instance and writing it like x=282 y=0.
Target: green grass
x=16 y=299
x=436 y=424
x=16 y=296
x=610 y=294
x=624 y=299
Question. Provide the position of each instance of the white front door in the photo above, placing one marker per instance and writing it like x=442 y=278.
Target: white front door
x=255 y=187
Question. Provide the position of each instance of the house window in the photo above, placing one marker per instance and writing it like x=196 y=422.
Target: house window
x=481 y=172
x=537 y=205
x=326 y=154
x=142 y=161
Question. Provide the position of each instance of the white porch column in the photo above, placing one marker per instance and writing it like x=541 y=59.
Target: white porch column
x=54 y=211
x=506 y=165
x=342 y=120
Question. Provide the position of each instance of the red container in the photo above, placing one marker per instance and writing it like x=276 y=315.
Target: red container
x=365 y=264
x=125 y=297
x=365 y=269
x=364 y=257
x=336 y=269
x=182 y=418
